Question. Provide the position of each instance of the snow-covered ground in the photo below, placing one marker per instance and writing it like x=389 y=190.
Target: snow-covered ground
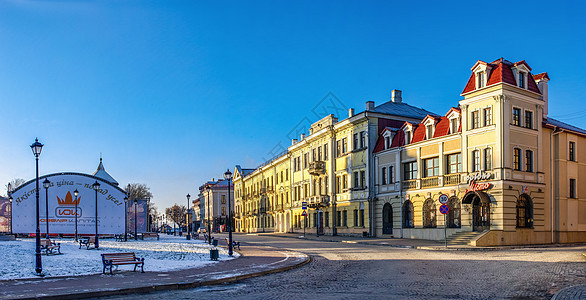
x=17 y=258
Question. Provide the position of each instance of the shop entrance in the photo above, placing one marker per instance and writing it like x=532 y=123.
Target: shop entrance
x=387 y=219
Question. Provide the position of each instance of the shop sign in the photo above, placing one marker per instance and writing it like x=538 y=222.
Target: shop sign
x=478 y=186
x=478 y=176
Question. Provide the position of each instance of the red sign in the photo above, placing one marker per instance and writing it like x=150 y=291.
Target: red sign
x=478 y=186
x=304 y=213
x=444 y=209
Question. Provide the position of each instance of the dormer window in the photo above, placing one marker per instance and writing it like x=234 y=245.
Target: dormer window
x=454 y=125
x=407 y=137
x=480 y=81
x=387 y=142
x=522 y=78
x=429 y=131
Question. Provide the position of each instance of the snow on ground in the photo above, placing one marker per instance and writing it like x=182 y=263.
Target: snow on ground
x=17 y=258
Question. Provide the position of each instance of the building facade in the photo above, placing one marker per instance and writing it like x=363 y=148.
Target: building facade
x=214 y=203
x=509 y=173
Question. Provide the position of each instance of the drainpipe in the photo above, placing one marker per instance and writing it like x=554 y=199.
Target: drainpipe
x=401 y=189
x=333 y=181
x=551 y=163
x=369 y=153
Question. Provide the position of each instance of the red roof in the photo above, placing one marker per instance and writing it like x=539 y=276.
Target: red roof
x=541 y=76
x=501 y=72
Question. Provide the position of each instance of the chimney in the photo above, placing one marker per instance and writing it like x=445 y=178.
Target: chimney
x=302 y=136
x=293 y=142
x=350 y=112
x=396 y=96
x=369 y=105
x=542 y=85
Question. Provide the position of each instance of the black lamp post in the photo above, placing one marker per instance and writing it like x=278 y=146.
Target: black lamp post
x=37 y=148
x=135 y=224
x=228 y=176
x=187 y=217
x=76 y=193
x=209 y=225
x=96 y=187
x=46 y=185
x=10 y=198
x=125 y=218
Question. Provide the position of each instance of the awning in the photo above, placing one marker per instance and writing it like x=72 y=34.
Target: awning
x=470 y=196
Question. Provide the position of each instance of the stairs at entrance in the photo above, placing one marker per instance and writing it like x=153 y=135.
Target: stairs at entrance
x=462 y=238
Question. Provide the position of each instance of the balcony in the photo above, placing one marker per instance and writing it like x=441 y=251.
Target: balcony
x=410 y=184
x=430 y=181
x=318 y=201
x=451 y=179
x=317 y=168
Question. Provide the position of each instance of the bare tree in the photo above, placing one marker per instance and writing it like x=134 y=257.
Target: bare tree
x=176 y=213
x=14 y=183
x=138 y=191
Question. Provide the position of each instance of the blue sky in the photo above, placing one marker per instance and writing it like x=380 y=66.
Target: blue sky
x=174 y=92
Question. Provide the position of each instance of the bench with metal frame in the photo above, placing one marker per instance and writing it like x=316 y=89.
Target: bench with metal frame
x=87 y=242
x=48 y=246
x=115 y=259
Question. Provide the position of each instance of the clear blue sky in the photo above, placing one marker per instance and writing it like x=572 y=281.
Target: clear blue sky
x=174 y=92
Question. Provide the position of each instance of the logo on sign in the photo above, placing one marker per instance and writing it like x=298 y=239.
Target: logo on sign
x=478 y=186
x=66 y=208
x=478 y=176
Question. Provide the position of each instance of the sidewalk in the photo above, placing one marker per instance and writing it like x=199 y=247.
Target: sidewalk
x=254 y=261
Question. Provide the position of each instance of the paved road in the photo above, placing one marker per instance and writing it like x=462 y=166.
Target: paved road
x=353 y=271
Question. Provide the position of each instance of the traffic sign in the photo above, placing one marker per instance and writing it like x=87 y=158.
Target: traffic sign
x=444 y=209
x=304 y=213
x=304 y=205
x=443 y=198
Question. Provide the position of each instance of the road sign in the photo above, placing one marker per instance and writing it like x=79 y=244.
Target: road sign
x=304 y=213
x=443 y=198
x=304 y=205
x=444 y=209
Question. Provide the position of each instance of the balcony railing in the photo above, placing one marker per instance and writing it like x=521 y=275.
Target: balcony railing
x=410 y=184
x=451 y=179
x=318 y=201
x=430 y=181
x=317 y=168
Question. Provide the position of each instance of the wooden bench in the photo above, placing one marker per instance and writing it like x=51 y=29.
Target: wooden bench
x=87 y=242
x=48 y=246
x=149 y=235
x=115 y=259
x=234 y=243
x=119 y=237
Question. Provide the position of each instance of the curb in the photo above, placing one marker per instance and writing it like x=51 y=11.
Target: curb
x=172 y=286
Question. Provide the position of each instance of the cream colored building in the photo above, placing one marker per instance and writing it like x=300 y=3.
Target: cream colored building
x=213 y=199
x=509 y=173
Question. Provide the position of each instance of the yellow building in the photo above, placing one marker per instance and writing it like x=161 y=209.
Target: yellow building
x=508 y=173
x=330 y=169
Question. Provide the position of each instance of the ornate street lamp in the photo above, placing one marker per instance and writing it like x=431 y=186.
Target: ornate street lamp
x=96 y=187
x=37 y=147
x=187 y=217
x=135 y=222
x=76 y=193
x=209 y=225
x=46 y=185
x=228 y=176
x=125 y=218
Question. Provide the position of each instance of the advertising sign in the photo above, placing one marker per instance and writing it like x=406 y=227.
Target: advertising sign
x=63 y=206
x=4 y=214
x=141 y=209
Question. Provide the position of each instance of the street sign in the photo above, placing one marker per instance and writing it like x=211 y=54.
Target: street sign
x=443 y=198
x=304 y=213
x=304 y=205
x=444 y=209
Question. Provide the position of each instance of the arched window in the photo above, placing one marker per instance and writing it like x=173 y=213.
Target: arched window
x=429 y=214
x=408 y=214
x=454 y=219
x=524 y=212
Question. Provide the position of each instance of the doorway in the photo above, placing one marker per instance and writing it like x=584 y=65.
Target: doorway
x=387 y=219
x=480 y=214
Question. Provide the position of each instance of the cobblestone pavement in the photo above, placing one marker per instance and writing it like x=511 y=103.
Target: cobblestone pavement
x=353 y=271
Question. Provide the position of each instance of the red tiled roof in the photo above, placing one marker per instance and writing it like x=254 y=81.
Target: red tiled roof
x=399 y=139
x=418 y=134
x=522 y=63
x=442 y=127
x=541 y=76
x=501 y=72
x=531 y=85
x=471 y=85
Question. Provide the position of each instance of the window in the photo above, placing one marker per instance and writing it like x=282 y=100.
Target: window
x=344 y=181
x=524 y=212
x=339 y=219
x=355 y=141
x=339 y=184
x=454 y=163
x=344 y=145
x=327 y=219
x=487 y=159
x=408 y=214
x=223 y=197
x=410 y=170
x=355 y=218
x=287 y=174
x=387 y=142
x=356 y=180
x=573 y=188
x=362 y=218
x=319 y=153
x=313 y=154
x=429 y=131
x=345 y=218
x=338 y=148
x=522 y=79
x=572 y=147
x=454 y=216
x=305 y=160
x=517 y=116
x=326 y=152
x=362 y=139
x=517 y=159
x=305 y=191
x=475 y=161
x=487 y=116
x=429 y=214
x=528 y=119
x=341 y=146
x=223 y=211
x=529 y=161
x=362 y=179
x=480 y=79
x=407 y=137
x=391 y=174
x=454 y=124
x=475 y=120
x=383 y=178
x=432 y=167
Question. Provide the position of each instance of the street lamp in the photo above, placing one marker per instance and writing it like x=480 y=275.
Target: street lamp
x=187 y=217
x=76 y=193
x=10 y=199
x=46 y=185
x=37 y=147
x=228 y=176
x=135 y=227
x=125 y=218
x=96 y=187
x=208 y=217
